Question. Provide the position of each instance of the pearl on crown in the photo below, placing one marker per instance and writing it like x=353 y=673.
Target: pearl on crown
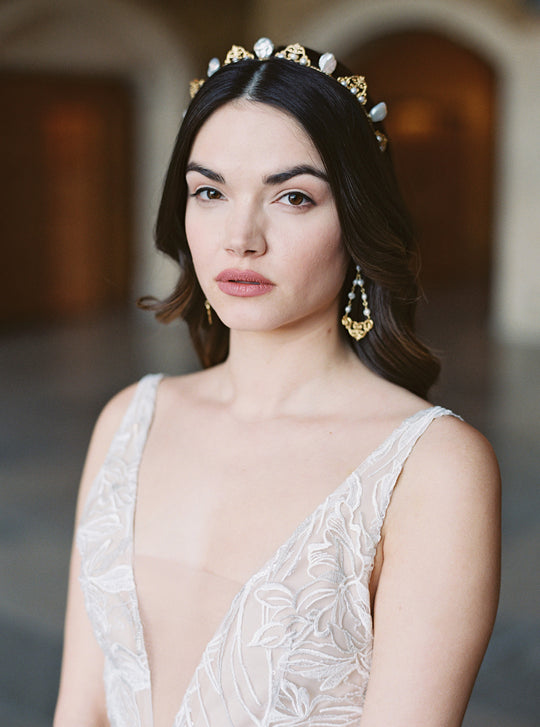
x=327 y=63
x=263 y=48
x=213 y=66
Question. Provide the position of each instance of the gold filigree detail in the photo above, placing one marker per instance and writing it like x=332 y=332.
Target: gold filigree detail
x=297 y=53
x=357 y=329
x=356 y=85
x=208 y=311
x=382 y=140
x=237 y=53
x=194 y=86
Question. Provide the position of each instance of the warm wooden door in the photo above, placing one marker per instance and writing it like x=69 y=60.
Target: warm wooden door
x=441 y=100
x=66 y=189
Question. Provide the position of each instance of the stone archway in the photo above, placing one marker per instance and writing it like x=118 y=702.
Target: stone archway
x=104 y=37
x=441 y=127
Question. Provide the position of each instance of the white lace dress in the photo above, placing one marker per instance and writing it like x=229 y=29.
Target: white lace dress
x=295 y=646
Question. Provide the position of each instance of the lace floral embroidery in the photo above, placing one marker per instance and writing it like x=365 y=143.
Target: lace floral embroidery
x=295 y=647
x=105 y=541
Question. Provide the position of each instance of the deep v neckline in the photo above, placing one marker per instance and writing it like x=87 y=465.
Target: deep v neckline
x=285 y=546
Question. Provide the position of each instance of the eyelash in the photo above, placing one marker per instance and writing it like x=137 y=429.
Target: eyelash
x=199 y=192
x=306 y=201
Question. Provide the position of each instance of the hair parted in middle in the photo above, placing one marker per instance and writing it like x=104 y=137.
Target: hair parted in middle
x=376 y=228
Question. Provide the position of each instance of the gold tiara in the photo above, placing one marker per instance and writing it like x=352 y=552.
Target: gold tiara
x=264 y=49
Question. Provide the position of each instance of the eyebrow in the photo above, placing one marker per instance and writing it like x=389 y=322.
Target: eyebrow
x=271 y=179
x=287 y=174
x=214 y=176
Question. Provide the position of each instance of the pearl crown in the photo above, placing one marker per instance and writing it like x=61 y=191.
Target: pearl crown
x=264 y=49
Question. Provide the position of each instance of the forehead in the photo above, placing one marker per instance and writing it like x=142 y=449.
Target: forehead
x=253 y=133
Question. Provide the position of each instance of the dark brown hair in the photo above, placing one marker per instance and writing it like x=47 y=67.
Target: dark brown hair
x=375 y=225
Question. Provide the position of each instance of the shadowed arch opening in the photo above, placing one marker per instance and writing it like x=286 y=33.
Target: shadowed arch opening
x=441 y=99
x=77 y=45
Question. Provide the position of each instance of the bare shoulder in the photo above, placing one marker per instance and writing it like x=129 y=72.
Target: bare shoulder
x=110 y=419
x=437 y=578
x=452 y=450
x=449 y=487
x=105 y=428
x=449 y=448
x=170 y=389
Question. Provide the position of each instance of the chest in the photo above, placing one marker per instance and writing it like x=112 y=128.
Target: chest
x=222 y=496
x=301 y=624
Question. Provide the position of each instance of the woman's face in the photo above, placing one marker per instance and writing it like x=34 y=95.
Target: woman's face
x=261 y=222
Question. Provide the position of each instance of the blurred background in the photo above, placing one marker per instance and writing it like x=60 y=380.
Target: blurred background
x=91 y=94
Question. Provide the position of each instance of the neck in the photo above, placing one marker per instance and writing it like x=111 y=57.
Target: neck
x=289 y=371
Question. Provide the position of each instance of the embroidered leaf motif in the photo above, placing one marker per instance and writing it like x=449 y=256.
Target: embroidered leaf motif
x=294 y=649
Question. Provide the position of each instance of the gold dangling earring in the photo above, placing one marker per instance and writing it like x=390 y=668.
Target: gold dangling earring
x=208 y=312
x=357 y=329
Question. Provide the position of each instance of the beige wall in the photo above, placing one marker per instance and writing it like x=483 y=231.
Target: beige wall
x=280 y=18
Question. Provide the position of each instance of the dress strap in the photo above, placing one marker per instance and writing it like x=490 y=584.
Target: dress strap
x=128 y=443
x=105 y=542
x=383 y=468
x=133 y=431
x=138 y=415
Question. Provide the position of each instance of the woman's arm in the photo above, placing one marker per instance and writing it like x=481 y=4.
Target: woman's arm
x=81 y=698
x=437 y=593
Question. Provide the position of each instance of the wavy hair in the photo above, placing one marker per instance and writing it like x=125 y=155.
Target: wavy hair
x=376 y=228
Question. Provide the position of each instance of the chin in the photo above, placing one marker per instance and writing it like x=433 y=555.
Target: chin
x=234 y=323
x=255 y=321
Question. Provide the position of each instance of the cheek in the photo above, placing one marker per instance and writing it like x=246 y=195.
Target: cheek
x=199 y=252
x=328 y=251
x=316 y=240
x=191 y=227
x=197 y=238
x=324 y=269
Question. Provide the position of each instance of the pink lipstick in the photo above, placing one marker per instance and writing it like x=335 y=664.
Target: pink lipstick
x=243 y=283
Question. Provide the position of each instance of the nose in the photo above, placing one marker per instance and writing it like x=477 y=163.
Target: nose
x=244 y=233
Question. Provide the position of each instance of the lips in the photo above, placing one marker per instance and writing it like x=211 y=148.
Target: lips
x=243 y=283
x=242 y=276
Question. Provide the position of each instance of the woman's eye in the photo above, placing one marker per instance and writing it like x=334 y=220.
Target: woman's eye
x=297 y=199
x=207 y=193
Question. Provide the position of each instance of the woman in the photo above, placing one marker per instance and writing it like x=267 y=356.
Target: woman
x=227 y=580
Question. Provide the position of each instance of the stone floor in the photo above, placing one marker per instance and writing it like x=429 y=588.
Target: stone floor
x=55 y=379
